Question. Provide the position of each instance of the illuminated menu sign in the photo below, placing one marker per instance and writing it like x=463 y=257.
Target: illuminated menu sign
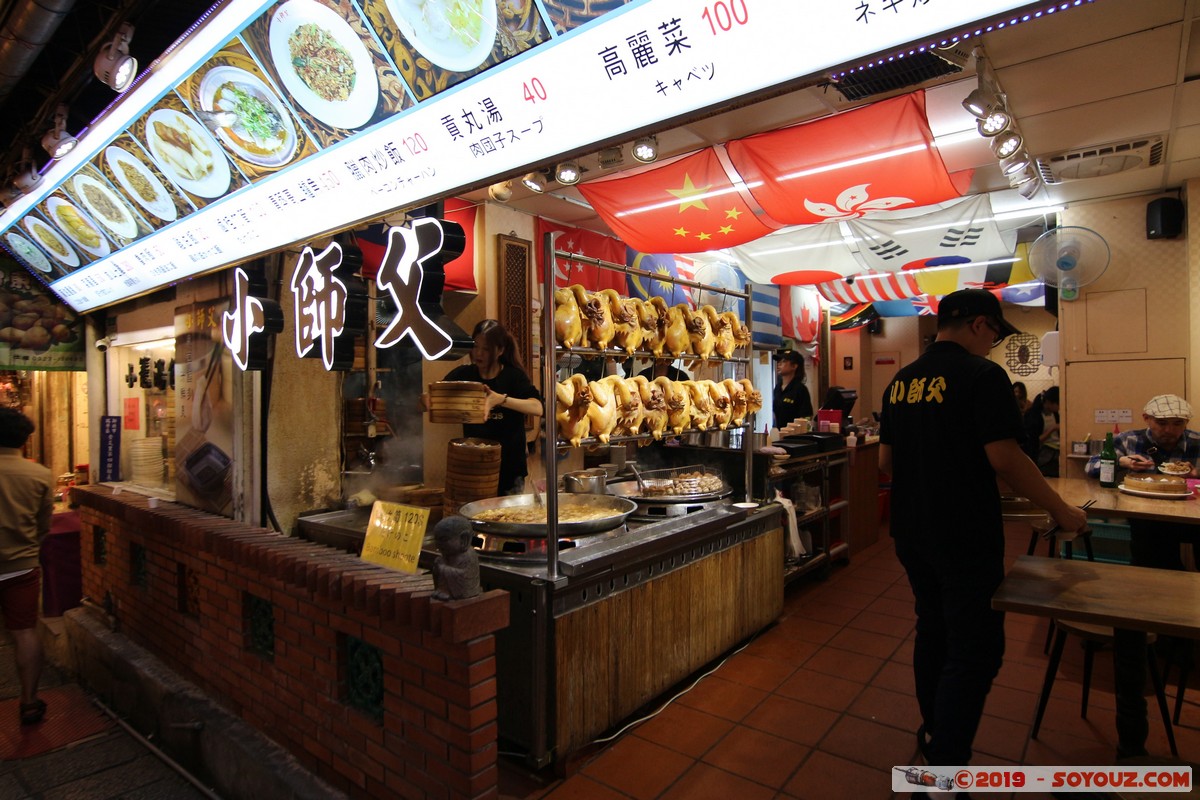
x=277 y=122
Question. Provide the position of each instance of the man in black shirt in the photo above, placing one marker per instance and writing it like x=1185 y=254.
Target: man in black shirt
x=790 y=399
x=949 y=427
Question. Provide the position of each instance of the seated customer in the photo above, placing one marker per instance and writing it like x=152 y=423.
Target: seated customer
x=1041 y=432
x=1165 y=438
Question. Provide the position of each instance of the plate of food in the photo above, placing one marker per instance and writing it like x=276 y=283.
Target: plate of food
x=1165 y=487
x=140 y=183
x=1175 y=468
x=105 y=206
x=78 y=226
x=52 y=241
x=1155 y=495
x=323 y=64
x=26 y=251
x=456 y=35
x=187 y=153
x=259 y=129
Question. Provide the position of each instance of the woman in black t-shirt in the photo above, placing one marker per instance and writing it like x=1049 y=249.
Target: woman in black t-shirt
x=510 y=397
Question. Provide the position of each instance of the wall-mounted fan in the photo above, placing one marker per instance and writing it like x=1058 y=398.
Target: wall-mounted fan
x=1068 y=258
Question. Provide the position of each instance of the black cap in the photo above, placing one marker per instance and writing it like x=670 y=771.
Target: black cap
x=789 y=355
x=969 y=303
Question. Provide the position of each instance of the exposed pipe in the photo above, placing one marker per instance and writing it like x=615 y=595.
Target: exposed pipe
x=25 y=33
x=163 y=757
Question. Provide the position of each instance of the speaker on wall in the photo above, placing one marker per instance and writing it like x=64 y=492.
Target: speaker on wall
x=1164 y=218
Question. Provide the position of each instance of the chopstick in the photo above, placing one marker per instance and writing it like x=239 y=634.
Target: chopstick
x=1053 y=529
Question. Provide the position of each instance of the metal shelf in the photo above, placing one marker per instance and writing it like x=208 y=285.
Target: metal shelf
x=646 y=437
x=647 y=355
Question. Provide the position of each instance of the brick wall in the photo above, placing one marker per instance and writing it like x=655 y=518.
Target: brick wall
x=271 y=626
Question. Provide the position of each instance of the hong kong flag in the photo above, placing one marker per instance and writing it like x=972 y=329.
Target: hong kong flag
x=689 y=205
x=873 y=158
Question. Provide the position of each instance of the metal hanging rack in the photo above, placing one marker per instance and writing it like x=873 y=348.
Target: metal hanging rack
x=550 y=376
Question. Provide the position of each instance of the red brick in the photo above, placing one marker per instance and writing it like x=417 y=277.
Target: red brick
x=472 y=718
x=427 y=700
x=460 y=694
x=473 y=762
x=403 y=787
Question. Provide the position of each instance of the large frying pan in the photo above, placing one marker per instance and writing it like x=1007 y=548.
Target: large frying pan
x=616 y=510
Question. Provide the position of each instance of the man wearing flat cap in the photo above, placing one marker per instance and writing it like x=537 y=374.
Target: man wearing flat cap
x=1165 y=439
x=791 y=399
x=949 y=428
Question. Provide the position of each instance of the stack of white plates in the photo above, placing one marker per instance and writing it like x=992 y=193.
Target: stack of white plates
x=146 y=460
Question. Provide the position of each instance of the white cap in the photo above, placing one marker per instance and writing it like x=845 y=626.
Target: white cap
x=1168 y=406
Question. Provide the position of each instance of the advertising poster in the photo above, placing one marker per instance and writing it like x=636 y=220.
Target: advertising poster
x=36 y=330
x=204 y=427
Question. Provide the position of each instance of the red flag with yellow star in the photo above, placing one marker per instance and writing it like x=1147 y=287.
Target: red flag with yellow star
x=688 y=205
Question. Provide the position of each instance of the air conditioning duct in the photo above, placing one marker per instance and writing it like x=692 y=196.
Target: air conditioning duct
x=1100 y=160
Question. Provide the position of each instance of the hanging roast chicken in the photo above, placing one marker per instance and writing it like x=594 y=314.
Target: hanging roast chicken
x=568 y=322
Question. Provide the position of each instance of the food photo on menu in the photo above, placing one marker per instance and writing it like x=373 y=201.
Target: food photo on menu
x=104 y=203
x=328 y=65
x=53 y=243
x=238 y=105
x=186 y=152
x=131 y=169
x=27 y=253
x=444 y=42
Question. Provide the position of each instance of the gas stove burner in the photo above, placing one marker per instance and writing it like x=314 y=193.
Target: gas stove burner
x=649 y=509
x=533 y=548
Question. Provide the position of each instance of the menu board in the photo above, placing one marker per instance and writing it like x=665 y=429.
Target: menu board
x=275 y=123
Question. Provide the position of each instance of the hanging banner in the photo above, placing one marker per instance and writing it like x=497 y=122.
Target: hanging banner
x=37 y=331
x=583 y=242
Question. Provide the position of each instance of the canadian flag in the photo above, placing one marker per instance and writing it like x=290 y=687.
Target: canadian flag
x=800 y=311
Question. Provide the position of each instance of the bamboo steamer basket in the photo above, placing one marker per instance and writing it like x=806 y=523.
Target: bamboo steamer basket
x=457 y=402
x=472 y=472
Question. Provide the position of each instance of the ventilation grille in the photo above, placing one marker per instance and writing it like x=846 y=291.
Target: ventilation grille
x=1101 y=160
x=899 y=74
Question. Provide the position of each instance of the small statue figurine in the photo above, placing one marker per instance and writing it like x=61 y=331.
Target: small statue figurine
x=456 y=570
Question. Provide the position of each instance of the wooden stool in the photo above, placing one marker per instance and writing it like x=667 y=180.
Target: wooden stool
x=1094 y=637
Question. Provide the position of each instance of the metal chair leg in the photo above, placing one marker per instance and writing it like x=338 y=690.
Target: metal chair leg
x=1156 y=679
x=1089 y=652
x=1060 y=639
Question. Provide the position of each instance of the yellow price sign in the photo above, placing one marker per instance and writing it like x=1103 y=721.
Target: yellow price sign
x=394 y=535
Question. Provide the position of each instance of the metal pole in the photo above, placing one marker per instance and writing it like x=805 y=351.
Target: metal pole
x=748 y=431
x=550 y=430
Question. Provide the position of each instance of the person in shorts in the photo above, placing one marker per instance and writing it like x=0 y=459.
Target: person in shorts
x=26 y=505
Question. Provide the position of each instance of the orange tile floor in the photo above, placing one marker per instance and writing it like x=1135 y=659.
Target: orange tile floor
x=820 y=705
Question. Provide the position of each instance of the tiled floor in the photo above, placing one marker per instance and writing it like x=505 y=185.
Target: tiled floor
x=820 y=705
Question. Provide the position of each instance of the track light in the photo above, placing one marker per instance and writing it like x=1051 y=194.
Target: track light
x=567 y=173
x=501 y=192
x=1014 y=163
x=980 y=102
x=996 y=122
x=1030 y=188
x=27 y=177
x=114 y=66
x=1006 y=144
x=645 y=149
x=534 y=182
x=57 y=142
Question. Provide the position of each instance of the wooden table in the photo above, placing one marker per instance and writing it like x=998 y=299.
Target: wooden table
x=1133 y=598
x=1115 y=503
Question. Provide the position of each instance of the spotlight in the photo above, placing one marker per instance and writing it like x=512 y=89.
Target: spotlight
x=114 y=66
x=995 y=123
x=27 y=177
x=534 y=182
x=1007 y=144
x=1014 y=163
x=57 y=142
x=567 y=173
x=980 y=102
x=1029 y=188
x=501 y=192
x=645 y=149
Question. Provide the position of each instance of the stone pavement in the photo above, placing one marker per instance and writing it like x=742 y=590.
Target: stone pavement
x=110 y=764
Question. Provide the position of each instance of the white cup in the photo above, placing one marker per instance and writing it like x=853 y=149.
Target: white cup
x=152 y=502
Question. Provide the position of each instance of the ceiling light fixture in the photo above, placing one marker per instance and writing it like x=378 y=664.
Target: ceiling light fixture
x=645 y=149
x=501 y=192
x=57 y=142
x=27 y=177
x=1030 y=188
x=534 y=182
x=995 y=123
x=567 y=173
x=981 y=102
x=1007 y=144
x=1014 y=163
x=113 y=65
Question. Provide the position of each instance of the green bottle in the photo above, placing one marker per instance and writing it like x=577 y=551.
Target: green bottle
x=1108 y=463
